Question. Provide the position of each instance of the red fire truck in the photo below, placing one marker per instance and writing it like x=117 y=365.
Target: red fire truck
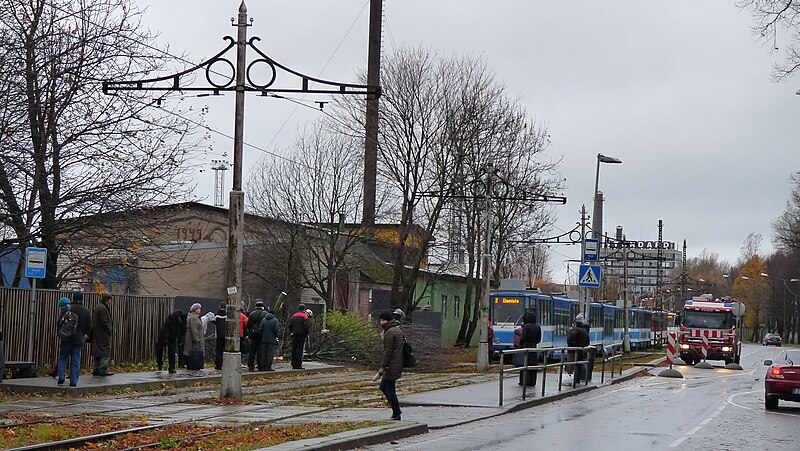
x=713 y=319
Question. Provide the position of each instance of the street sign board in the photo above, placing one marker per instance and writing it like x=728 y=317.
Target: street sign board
x=35 y=262
x=589 y=276
x=590 y=247
x=738 y=308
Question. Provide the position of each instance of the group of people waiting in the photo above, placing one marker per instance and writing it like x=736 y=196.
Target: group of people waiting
x=530 y=334
x=183 y=337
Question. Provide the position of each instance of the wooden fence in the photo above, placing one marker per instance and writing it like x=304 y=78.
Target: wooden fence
x=137 y=321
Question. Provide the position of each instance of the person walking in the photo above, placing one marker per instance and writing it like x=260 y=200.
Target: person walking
x=299 y=329
x=72 y=346
x=578 y=337
x=392 y=362
x=173 y=331
x=256 y=354
x=219 y=323
x=529 y=338
x=63 y=305
x=102 y=327
x=269 y=338
x=194 y=341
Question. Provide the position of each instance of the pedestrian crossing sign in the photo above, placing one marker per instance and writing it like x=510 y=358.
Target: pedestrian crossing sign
x=589 y=276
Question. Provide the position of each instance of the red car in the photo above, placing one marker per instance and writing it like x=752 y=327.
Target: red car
x=783 y=379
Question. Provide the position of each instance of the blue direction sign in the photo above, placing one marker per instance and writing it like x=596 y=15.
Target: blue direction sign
x=590 y=246
x=589 y=276
x=35 y=262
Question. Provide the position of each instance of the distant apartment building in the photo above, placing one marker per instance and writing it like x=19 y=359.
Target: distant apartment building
x=642 y=259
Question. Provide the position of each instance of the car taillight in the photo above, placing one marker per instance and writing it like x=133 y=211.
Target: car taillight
x=780 y=339
x=776 y=373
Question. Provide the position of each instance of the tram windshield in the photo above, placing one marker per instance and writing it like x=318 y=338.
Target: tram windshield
x=507 y=310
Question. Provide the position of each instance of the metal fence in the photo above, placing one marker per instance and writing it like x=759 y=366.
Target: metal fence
x=136 y=320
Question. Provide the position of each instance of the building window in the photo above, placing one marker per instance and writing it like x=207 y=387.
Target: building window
x=444 y=306
x=456 y=306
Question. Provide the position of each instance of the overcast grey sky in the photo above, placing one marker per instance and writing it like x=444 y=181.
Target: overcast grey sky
x=680 y=91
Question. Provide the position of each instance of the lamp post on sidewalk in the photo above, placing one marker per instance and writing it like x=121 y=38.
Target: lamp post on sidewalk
x=597 y=211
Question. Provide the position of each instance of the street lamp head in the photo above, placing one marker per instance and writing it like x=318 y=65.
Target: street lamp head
x=763 y=274
x=726 y=275
x=745 y=278
x=606 y=159
x=794 y=280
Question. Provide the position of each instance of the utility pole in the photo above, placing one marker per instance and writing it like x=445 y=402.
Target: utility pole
x=371 y=119
x=243 y=80
x=483 y=348
x=231 y=381
x=583 y=292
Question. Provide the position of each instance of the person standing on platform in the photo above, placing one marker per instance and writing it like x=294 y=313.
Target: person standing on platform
x=270 y=330
x=72 y=346
x=529 y=338
x=578 y=337
x=102 y=329
x=256 y=354
x=194 y=341
x=299 y=328
x=63 y=305
x=172 y=333
x=219 y=323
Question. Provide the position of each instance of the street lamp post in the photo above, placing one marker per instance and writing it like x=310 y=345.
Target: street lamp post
x=597 y=212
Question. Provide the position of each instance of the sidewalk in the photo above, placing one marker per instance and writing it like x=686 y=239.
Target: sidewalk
x=422 y=411
x=138 y=381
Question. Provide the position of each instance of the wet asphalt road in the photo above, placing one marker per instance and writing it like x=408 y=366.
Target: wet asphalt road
x=707 y=410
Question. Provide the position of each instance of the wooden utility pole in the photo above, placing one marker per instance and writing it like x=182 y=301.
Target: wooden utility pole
x=371 y=123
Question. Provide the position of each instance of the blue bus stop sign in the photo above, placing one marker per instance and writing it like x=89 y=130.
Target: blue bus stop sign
x=35 y=262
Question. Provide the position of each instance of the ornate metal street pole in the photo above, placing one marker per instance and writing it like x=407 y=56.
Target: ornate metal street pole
x=239 y=82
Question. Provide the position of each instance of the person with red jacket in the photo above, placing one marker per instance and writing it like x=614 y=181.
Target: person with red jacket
x=299 y=329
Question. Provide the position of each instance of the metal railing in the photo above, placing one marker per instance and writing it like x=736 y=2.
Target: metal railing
x=616 y=355
x=560 y=363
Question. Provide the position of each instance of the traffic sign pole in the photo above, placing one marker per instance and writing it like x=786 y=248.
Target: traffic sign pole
x=32 y=320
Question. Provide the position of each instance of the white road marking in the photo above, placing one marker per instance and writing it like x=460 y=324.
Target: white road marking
x=771 y=412
x=693 y=430
x=677 y=442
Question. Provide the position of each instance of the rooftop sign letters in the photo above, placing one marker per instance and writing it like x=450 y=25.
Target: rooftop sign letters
x=640 y=244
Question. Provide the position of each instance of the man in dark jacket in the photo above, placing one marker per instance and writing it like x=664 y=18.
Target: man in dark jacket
x=578 y=337
x=71 y=347
x=392 y=362
x=530 y=338
x=254 y=334
x=102 y=326
x=269 y=338
x=299 y=328
x=172 y=334
x=219 y=323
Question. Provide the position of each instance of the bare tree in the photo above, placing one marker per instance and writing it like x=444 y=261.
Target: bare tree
x=313 y=192
x=774 y=21
x=787 y=225
x=68 y=150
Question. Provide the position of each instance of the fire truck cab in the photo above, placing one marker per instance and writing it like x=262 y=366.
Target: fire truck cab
x=714 y=320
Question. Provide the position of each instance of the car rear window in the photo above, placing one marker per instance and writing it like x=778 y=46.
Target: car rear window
x=792 y=357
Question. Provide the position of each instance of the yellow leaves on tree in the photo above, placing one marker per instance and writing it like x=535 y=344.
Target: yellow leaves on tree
x=751 y=288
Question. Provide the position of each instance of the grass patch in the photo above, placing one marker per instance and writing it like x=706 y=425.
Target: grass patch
x=32 y=429
x=213 y=438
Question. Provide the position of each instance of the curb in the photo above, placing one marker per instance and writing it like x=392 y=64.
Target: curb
x=355 y=439
x=176 y=382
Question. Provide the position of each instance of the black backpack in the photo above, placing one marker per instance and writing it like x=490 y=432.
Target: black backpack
x=254 y=325
x=409 y=359
x=68 y=325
